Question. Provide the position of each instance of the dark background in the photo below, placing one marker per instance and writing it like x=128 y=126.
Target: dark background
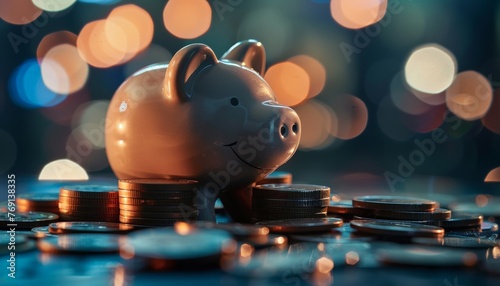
x=467 y=28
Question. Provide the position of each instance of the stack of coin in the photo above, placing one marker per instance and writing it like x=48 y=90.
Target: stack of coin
x=89 y=203
x=289 y=201
x=157 y=202
x=276 y=177
x=38 y=202
x=400 y=208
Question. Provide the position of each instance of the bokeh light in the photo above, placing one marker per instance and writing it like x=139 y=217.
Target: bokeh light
x=318 y=121
x=352 y=116
x=53 y=5
x=271 y=28
x=187 y=19
x=289 y=82
x=129 y=29
x=426 y=121
x=493 y=175
x=19 y=12
x=54 y=39
x=470 y=95
x=63 y=170
x=63 y=70
x=95 y=48
x=8 y=151
x=430 y=69
x=152 y=55
x=492 y=118
x=26 y=87
x=315 y=70
x=356 y=14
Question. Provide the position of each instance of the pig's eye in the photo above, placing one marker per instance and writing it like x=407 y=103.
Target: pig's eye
x=234 y=101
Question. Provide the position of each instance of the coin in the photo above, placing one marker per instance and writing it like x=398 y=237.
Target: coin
x=163 y=185
x=278 y=216
x=26 y=220
x=164 y=209
x=90 y=217
x=276 y=177
x=341 y=207
x=41 y=232
x=396 y=228
x=459 y=242
x=238 y=230
x=270 y=263
x=290 y=210
x=150 y=221
x=459 y=221
x=167 y=248
x=291 y=191
x=302 y=225
x=283 y=203
x=155 y=202
x=393 y=203
x=89 y=191
x=65 y=208
x=80 y=243
x=182 y=195
x=425 y=256
x=159 y=215
x=89 y=227
x=37 y=200
x=270 y=240
x=72 y=201
x=437 y=214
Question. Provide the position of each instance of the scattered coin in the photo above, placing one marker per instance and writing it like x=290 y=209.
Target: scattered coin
x=179 y=246
x=283 y=203
x=276 y=177
x=42 y=202
x=458 y=221
x=291 y=191
x=88 y=227
x=269 y=263
x=459 y=242
x=239 y=231
x=396 y=228
x=270 y=240
x=436 y=214
x=26 y=220
x=80 y=243
x=393 y=203
x=426 y=256
x=41 y=232
x=302 y=225
x=89 y=191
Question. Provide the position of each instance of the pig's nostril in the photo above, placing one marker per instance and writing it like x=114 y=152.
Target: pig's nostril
x=295 y=128
x=284 y=130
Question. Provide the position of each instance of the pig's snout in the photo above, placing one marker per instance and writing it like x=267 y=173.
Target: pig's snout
x=278 y=139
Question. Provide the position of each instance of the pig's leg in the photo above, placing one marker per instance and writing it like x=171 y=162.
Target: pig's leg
x=238 y=203
x=206 y=204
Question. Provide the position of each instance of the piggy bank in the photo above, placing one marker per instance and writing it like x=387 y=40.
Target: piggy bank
x=198 y=117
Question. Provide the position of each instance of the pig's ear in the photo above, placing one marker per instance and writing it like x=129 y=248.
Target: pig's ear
x=185 y=65
x=251 y=53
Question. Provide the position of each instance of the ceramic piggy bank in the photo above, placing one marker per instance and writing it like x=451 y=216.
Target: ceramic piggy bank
x=212 y=120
